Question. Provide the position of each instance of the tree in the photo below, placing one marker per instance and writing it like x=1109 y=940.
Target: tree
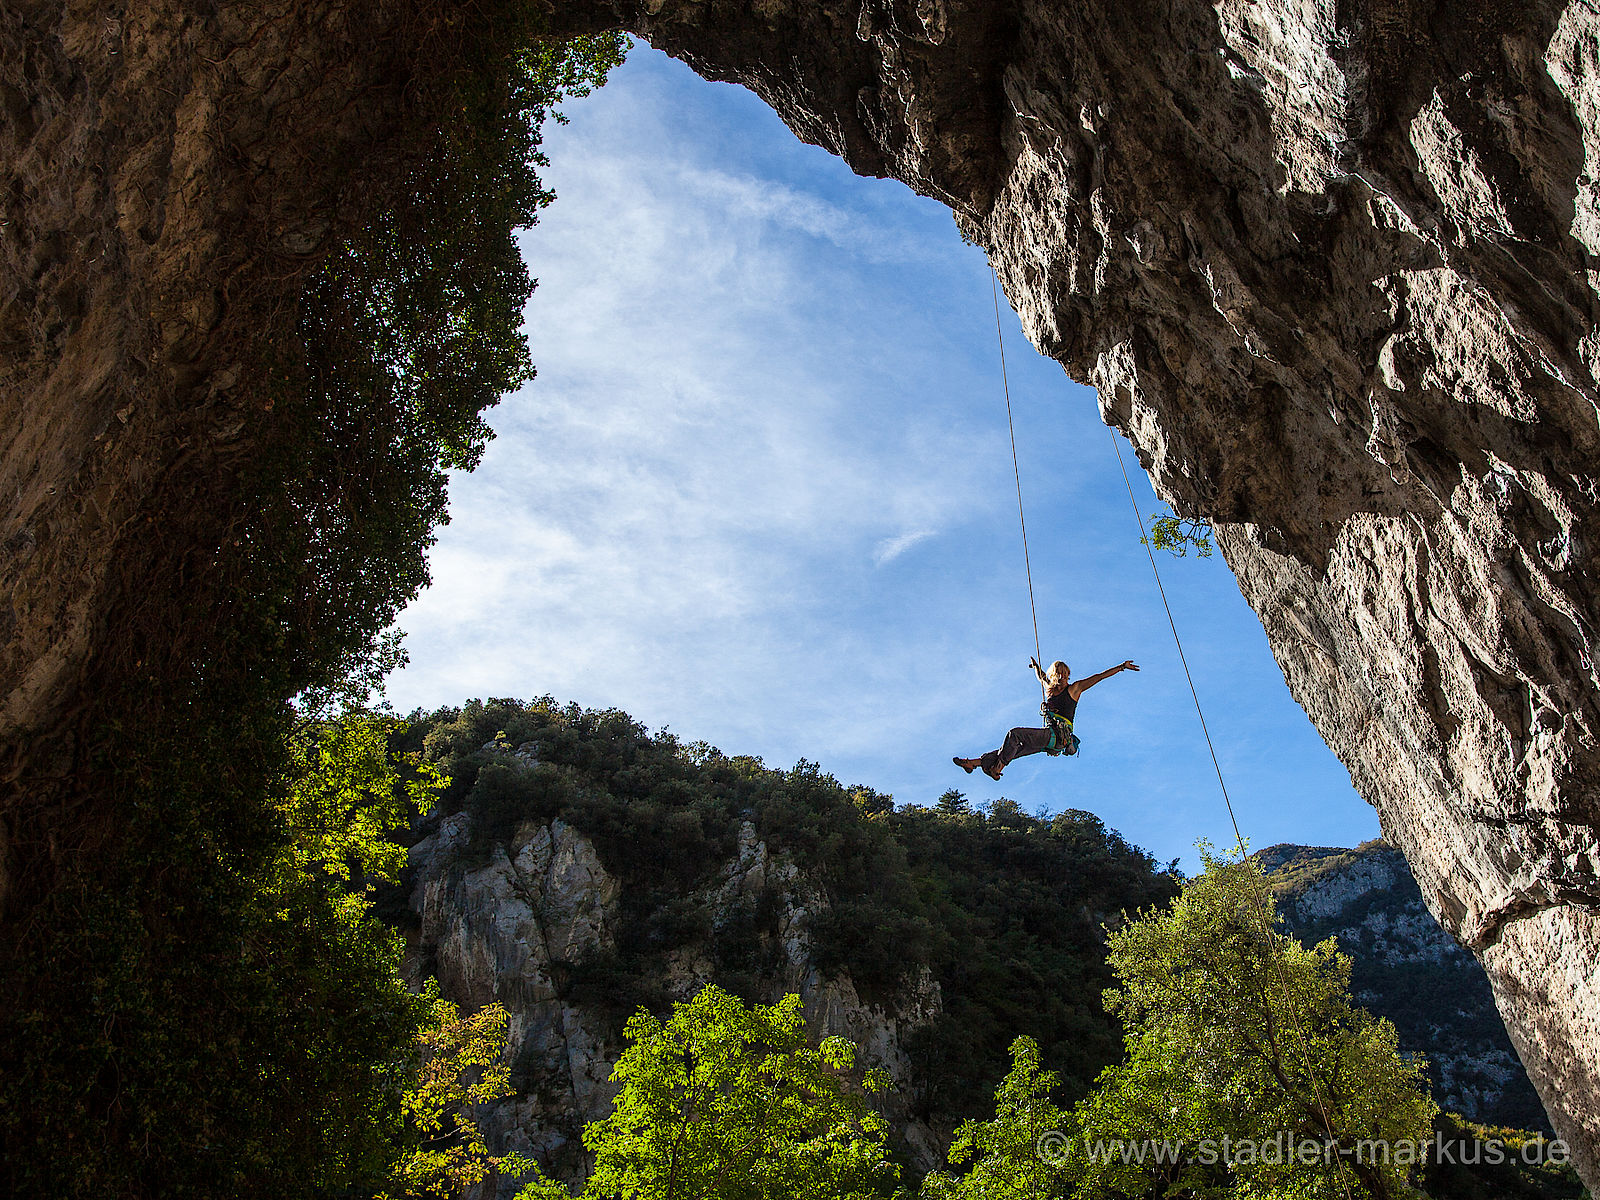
x=1014 y=1154
x=459 y=1067
x=347 y=794
x=952 y=803
x=1249 y=1072
x=729 y=1102
x=1177 y=534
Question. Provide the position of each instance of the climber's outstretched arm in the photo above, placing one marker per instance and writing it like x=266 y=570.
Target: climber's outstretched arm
x=1083 y=685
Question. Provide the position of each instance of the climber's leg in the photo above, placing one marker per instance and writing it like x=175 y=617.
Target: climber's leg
x=1019 y=742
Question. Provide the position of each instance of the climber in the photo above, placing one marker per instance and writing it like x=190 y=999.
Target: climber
x=1060 y=704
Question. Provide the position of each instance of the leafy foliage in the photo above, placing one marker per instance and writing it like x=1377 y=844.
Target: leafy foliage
x=1178 y=535
x=346 y=798
x=1011 y=1156
x=1016 y=904
x=1234 y=1029
x=408 y=331
x=727 y=1102
x=1231 y=1033
x=1488 y=1162
x=459 y=1066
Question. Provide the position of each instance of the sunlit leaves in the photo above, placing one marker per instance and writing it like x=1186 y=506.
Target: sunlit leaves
x=1178 y=535
x=724 y=1101
x=348 y=796
x=1242 y=1045
x=459 y=1067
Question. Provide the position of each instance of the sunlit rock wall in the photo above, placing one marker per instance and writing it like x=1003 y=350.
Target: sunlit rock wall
x=516 y=926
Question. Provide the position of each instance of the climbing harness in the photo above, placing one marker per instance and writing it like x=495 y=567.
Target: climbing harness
x=1063 y=741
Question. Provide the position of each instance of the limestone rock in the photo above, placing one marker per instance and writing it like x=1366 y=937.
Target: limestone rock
x=510 y=929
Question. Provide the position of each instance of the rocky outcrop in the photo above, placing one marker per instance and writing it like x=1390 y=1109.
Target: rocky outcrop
x=517 y=927
x=1405 y=967
x=1330 y=265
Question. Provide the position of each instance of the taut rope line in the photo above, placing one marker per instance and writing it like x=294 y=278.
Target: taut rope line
x=994 y=289
x=1261 y=912
x=1177 y=641
x=1233 y=817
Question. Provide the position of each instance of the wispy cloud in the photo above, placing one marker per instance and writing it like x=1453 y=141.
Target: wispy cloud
x=890 y=549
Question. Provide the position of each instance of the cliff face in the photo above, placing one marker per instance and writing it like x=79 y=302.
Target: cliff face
x=1405 y=967
x=1331 y=266
x=518 y=928
x=159 y=217
x=579 y=868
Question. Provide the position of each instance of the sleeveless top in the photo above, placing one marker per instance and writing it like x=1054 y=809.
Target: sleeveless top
x=1062 y=704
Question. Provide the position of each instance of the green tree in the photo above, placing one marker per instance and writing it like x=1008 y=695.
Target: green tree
x=725 y=1101
x=459 y=1066
x=1249 y=1073
x=1237 y=1031
x=347 y=795
x=1177 y=535
x=1019 y=1153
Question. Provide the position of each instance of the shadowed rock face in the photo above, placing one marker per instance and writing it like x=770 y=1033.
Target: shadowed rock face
x=1329 y=264
x=1330 y=267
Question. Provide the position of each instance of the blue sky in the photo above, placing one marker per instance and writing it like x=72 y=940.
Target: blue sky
x=761 y=493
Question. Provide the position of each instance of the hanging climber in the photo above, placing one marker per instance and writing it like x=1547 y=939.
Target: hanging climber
x=1060 y=704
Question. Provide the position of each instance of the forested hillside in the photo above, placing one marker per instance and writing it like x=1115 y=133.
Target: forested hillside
x=578 y=868
x=995 y=914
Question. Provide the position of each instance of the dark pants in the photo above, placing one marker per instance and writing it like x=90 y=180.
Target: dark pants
x=1018 y=742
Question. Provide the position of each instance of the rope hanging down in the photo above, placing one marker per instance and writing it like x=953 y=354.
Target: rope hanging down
x=1261 y=911
x=1176 y=640
x=994 y=289
x=1022 y=520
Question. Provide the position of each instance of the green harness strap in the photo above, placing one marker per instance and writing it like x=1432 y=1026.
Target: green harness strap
x=1062 y=739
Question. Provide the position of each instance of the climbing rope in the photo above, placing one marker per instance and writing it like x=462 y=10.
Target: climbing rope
x=1261 y=914
x=1268 y=934
x=1177 y=641
x=994 y=289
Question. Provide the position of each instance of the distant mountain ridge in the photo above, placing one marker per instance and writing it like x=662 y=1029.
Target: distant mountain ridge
x=1407 y=968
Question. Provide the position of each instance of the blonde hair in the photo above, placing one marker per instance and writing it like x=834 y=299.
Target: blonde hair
x=1059 y=673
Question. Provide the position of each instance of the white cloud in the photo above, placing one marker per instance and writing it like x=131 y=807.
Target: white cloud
x=890 y=549
x=684 y=495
